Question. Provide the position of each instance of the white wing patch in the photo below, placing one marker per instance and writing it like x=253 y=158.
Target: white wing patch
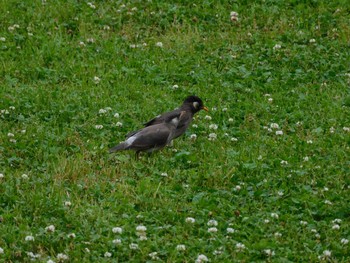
x=130 y=140
x=195 y=104
x=175 y=121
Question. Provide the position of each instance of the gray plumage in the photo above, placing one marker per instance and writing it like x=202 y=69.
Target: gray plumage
x=190 y=106
x=151 y=138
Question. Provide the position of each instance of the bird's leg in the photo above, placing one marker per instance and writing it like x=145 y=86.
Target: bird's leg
x=137 y=154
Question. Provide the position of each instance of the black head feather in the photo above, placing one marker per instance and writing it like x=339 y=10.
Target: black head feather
x=195 y=103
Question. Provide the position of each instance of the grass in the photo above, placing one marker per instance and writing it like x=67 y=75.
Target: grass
x=277 y=174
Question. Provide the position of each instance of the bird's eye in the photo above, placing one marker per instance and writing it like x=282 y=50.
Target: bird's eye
x=195 y=104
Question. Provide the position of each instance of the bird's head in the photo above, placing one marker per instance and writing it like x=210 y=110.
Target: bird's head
x=195 y=103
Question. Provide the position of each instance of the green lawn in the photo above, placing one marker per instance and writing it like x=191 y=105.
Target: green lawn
x=270 y=184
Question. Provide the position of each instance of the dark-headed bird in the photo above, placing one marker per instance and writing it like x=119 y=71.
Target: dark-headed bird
x=190 y=106
x=151 y=138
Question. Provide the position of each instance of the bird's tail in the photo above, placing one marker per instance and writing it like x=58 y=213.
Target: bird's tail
x=119 y=147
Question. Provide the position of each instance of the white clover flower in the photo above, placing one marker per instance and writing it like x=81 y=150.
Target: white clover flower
x=201 y=258
x=67 y=203
x=71 y=235
x=193 y=137
x=50 y=228
x=306 y=158
x=344 y=241
x=234 y=139
x=1 y=175
x=116 y=115
x=23 y=131
x=190 y=220
x=141 y=228
x=143 y=237
x=303 y=223
x=280 y=193
x=13 y=140
x=277 y=234
x=119 y=124
x=29 y=238
x=309 y=142
x=2 y=39
x=1 y=250
x=327 y=202
x=277 y=46
x=331 y=129
x=180 y=247
x=213 y=126
x=317 y=235
x=10 y=134
x=212 y=230
x=237 y=188
x=107 y=254
x=106 y=27
x=346 y=129
x=195 y=126
x=336 y=227
x=117 y=241
x=102 y=111
x=327 y=253
x=274 y=215
x=90 y=40
x=175 y=86
x=133 y=246
x=230 y=230
x=313 y=230
x=217 y=252
x=159 y=44
x=164 y=174
x=312 y=40
x=98 y=127
x=132 y=46
x=33 y=256
x=234 y=18
x=91 y=5
x=50 y=261
x=240 y=247
x=270 y=100
x=212 y=136
x=266 y=221
x=153 y=255
x=279 y=132
x=212 y=222
x=269 y=252
x=82 y=44
x=224 y=109
x=97 y=80
x=207 y=117
x=325 y=189
x=233 y=13
x=230 y=120
x=117 y=230
x=274 y=126
x=25 y=176
x=62 y=257
x=337 y=221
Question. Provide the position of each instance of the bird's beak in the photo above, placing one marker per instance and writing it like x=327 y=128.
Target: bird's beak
x=205 y=108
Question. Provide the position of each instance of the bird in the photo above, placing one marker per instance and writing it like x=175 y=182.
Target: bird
x=151 y=138
x=190 y=106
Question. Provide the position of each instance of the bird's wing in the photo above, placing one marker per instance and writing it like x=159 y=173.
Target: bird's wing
x=158 y=120
x=165 y=116
x=150 y=137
